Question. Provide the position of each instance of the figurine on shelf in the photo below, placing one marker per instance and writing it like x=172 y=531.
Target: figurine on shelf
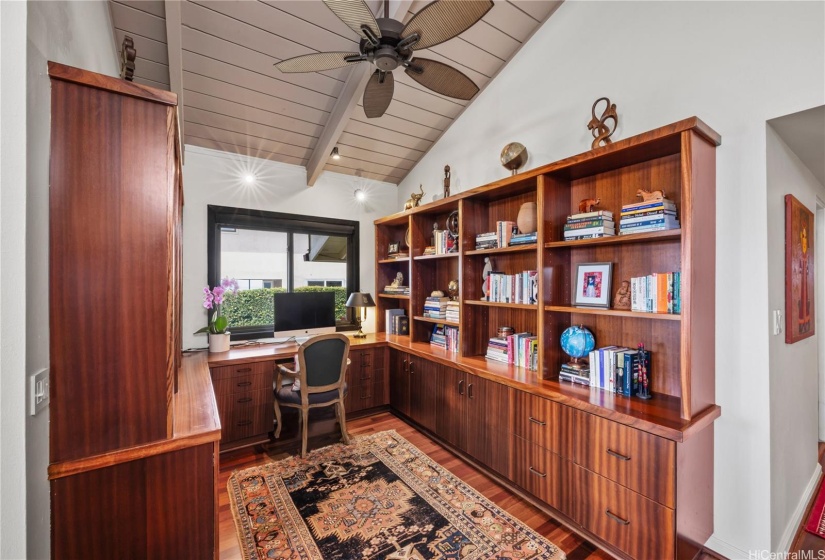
x=452 y=228
x=446 y=181
x=643 y=365
x=588 y=204
x=399 y=280
x=485 y=277
x=452 y=289
x=622 y=298
x=599 y=127
x=415 y=199
x=650 y=196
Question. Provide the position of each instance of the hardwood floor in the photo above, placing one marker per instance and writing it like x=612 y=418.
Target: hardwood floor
x=811 y=545
x=574 y=546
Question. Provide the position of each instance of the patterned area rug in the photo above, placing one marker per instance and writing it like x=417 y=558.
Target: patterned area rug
x=380 y=498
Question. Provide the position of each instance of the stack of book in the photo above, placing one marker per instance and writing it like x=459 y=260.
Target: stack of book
x=589 y=225
x=523 y=239
x=660 y=292
x=575 y=375
x=399 y=255
x=520 y=349
x=396 y=322
x=436 y=307
x=514 y=288
x=443 y=242
x=445 y=337
x=487 y=240
x=616 y=369
x=653 y=215
x=504 y=232
x=397 y=290
x=429 y=250
x=452 y=311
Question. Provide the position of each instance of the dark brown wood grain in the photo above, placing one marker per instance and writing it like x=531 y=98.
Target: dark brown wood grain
x=488 y=408
x=65 y=73
x=399 y=376
x=451 y=407
x=424 y=383
x=537 y=470
x=536 y=420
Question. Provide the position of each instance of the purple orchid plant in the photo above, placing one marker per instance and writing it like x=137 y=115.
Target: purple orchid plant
x=212 y=299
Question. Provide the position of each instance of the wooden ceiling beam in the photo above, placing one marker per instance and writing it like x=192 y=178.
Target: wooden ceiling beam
x=174 y=45
x=344 y=106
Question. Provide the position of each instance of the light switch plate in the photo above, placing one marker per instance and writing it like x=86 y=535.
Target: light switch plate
x=777 y=321
x=38 y=391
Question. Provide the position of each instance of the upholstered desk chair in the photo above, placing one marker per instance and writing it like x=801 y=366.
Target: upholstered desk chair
x=322 y=368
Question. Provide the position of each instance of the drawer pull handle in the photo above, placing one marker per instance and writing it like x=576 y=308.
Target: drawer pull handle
x=460 y=386
x=412 y=370
x=618 y=455
x=243 y=370
x=470 y=391
x=366 y=397
x=367 y=378
x=539 y=422
x=245 y=399
x=244 y=384
x=404 y=362
x=537 y=473
x=244 y=422
x=616 y=518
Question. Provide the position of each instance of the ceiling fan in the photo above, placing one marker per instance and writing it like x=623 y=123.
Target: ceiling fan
x=387 y=44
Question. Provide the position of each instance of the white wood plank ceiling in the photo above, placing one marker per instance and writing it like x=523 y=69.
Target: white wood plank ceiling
x=221 y=55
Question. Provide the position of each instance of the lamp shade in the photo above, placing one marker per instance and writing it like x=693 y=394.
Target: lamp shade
x=360 y=299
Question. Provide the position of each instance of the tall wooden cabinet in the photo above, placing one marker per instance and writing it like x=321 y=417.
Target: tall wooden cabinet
x=132 y=467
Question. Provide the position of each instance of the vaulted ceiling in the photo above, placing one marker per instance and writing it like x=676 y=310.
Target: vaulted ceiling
x=218 y=56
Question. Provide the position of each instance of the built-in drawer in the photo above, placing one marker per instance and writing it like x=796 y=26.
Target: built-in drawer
x=536 y=420
x=243 y=369
x=640 y=527
x=364 y=395
x=638 y=460
x=245 y=414
x=537 y=470
x=242 y=383
x=363 y=358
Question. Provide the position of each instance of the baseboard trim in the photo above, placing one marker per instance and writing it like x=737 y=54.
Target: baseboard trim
x=727 y=550
x=789 y=535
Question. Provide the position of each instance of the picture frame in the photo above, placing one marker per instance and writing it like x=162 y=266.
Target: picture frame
x=800 y=319
x=592 y=285
x=394 y=248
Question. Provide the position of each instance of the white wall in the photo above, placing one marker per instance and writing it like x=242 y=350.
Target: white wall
x=12 y=267
x=733 y=64
x=211 y=177
x=794 y=379
x=78 y=34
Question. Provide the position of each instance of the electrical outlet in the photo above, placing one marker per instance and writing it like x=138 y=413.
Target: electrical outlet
x=38 y=391
x=777 y=321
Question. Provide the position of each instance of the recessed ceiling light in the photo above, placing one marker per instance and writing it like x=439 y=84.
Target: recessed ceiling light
x=249 y=179
x=335 y=154
x=360 y=195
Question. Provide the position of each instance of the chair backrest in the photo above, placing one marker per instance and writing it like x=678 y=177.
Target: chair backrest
x=322 y=362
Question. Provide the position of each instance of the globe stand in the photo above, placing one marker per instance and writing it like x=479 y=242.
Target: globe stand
x=578 y=363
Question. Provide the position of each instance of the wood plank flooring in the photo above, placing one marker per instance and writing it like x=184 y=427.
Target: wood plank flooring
x=806 y=543
x=574 y=546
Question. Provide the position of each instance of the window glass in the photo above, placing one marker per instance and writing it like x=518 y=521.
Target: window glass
x=320 y=264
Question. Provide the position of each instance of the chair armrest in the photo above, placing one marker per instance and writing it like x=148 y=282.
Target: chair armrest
x=349 y=362
x=283 y=370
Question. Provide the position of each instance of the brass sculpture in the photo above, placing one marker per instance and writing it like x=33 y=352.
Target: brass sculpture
x=513 y=156
x=415 y=199
x=598 y=126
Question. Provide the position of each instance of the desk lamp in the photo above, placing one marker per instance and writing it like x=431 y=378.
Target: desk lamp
x=360 y=300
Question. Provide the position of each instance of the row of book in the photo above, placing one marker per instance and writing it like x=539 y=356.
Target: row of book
x=615 y=369
x=443 y=243
x=653 y=215
x=660 y=292
x=513 y=288
x=446 y=337
x=502 y=237
x=396 y=322
x=436 y=307
x=452 y=311
x=589 y=225
x=520 y=349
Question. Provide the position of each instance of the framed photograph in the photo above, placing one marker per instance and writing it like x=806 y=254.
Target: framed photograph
x=799 y=271
x=393 y=248
x=591 y=286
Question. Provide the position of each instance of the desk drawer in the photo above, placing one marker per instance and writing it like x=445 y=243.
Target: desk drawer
x=363 y=358
x=364 y=395
x=537 y=470
x=638 y=460
x=242 y=383
x=245 y=414
x=536 y=420
x=640 y=527
x=261 y=368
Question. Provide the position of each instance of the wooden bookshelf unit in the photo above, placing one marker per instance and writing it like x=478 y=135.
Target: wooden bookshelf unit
x=634 y=475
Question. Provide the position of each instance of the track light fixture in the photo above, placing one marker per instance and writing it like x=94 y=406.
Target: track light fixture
x=335 y=154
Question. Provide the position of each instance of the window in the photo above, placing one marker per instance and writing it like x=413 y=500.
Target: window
x=268 y=252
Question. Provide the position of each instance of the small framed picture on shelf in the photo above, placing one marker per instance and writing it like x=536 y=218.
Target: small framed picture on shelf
x=592 y=285
x=393 y=248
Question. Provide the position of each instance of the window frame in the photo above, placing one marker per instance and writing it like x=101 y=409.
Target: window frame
x=264 y=220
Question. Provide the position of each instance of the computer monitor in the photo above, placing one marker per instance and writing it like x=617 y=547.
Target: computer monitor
x=302 y=314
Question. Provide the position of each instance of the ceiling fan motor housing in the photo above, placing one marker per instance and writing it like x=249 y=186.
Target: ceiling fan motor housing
x=385 y=56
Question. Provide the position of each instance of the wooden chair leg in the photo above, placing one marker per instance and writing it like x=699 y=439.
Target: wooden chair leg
x=304 y=430
x=278 y=419
x=342 y=419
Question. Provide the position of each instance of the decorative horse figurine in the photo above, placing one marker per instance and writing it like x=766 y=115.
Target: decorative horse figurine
x=587 y=204
x=650 y=195
x=598 y=125
x=415 y=199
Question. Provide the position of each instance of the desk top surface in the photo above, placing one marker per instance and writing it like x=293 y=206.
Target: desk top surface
x=266 y=352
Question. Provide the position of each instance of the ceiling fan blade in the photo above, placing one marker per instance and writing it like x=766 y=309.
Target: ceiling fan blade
x=317 y=62
x=441 y=78
x=442 y=20
x=377 y=95
x=355 y=13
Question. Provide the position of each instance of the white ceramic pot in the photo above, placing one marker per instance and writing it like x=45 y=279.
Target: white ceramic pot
x=219 y=342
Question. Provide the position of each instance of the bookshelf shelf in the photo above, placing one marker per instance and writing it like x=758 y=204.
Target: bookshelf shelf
x=612 y=313
x=618 y=239
x=527 y=306
x=435 y=321
x=393 y=296
x=431 y=257
x=389 y=261
x=511 y=249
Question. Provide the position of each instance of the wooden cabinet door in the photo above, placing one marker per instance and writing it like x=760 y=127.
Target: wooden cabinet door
x=400 y=381
x=451 y=405
x=486 y=425
x=423 y=387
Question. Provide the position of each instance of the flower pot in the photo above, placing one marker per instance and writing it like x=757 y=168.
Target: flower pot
x=219 y=342
x=527 y=218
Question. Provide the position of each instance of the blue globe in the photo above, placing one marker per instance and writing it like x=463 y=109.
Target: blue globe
x=577 y=342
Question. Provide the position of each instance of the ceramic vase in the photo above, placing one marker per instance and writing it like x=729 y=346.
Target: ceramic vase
x=219 y=342
x=527 y=218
